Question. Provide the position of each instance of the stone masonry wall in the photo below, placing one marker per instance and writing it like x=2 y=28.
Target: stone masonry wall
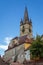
x=40 y=62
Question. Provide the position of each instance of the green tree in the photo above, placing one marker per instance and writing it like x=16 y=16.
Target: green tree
x=36 y=48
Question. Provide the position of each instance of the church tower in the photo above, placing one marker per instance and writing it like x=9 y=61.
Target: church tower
x=26 y=25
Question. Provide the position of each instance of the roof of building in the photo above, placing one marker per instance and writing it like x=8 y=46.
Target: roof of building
x=21 y=40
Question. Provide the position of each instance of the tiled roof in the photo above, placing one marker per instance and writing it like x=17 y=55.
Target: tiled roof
x=15 y=38
x=21 y=40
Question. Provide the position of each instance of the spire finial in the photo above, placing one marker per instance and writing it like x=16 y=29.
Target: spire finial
x=26 y=14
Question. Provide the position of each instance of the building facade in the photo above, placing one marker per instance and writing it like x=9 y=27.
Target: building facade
x=18 y=48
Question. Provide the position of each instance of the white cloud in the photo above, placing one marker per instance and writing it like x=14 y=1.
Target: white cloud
x=7 y=40
x=4 y=47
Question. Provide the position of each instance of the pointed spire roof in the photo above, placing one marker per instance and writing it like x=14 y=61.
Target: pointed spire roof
x=26 y=14
x=21 y=22
x=30 y=22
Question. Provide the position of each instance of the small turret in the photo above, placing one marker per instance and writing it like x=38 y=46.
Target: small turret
x=30 y=22
x=21 y=22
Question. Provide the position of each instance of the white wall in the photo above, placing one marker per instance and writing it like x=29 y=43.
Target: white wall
x=27 y=55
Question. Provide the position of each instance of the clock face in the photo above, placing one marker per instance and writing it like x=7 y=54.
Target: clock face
x=23 y=29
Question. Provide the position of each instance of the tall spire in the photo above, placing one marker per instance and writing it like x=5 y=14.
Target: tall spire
x=26 y=15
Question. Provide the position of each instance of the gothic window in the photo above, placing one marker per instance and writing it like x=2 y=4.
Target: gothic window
x=29 y=30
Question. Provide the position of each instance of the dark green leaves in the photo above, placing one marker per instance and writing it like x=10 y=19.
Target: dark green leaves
x=36 y=48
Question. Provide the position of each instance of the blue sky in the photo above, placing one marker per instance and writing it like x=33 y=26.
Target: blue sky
x=11 y=12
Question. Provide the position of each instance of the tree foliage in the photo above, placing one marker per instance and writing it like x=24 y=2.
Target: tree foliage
x=36 y=49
